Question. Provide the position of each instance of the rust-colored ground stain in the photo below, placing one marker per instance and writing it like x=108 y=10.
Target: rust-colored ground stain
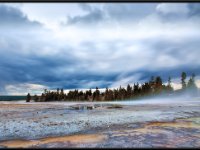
x=21 y=105
x=171 y=130
x=73 y=139
x=179 y=133
x=176 y=124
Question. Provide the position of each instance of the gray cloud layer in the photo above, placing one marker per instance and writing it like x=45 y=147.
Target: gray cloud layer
x=129 y=12
x=13 y=16
x=111 y=44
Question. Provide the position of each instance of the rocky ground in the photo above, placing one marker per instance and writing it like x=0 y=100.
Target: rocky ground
x=145 y=123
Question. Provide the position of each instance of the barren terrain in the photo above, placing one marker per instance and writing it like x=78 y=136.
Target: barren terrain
x=142 y=123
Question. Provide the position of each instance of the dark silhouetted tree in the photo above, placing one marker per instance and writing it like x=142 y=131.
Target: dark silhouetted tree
x=96 y=94
x=191 y=82
x=28 y=97
x=183 y=77
x=35 y=98
x=169 y=86
x=158 y=85
x=129 y=91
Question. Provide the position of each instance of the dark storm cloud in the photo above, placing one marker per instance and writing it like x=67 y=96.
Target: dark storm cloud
x=128 y=12
x=84 y=81
x=123 y=12
x=47 y=70
x=92 y=17
x=188 y=11
x=30 y=68
x=11 y=16
x=172 y=17
x=194 y=9
x=172 y=72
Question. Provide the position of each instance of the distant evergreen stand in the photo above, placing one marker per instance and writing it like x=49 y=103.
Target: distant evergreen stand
x=154 y=87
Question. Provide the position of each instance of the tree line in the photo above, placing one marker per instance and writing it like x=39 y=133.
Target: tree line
x=153 y=87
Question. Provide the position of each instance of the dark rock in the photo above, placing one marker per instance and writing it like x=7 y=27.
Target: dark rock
x=115 y=106
x=90 y=107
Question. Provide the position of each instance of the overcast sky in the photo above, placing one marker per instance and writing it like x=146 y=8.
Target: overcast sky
x=84 y=45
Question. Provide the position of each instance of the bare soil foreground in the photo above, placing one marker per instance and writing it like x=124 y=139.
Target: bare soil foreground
x=142 y=123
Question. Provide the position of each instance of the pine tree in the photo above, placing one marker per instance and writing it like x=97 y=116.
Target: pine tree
x=35 y=98
x=169 y=82
x=158 y=84
x=128 y=89
x=28 y=98
x=96 y=94
x=62 y=94
x=169 y=86
x=183 y=77
x=152 y=84
x=106 y=94
x=191 y=83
